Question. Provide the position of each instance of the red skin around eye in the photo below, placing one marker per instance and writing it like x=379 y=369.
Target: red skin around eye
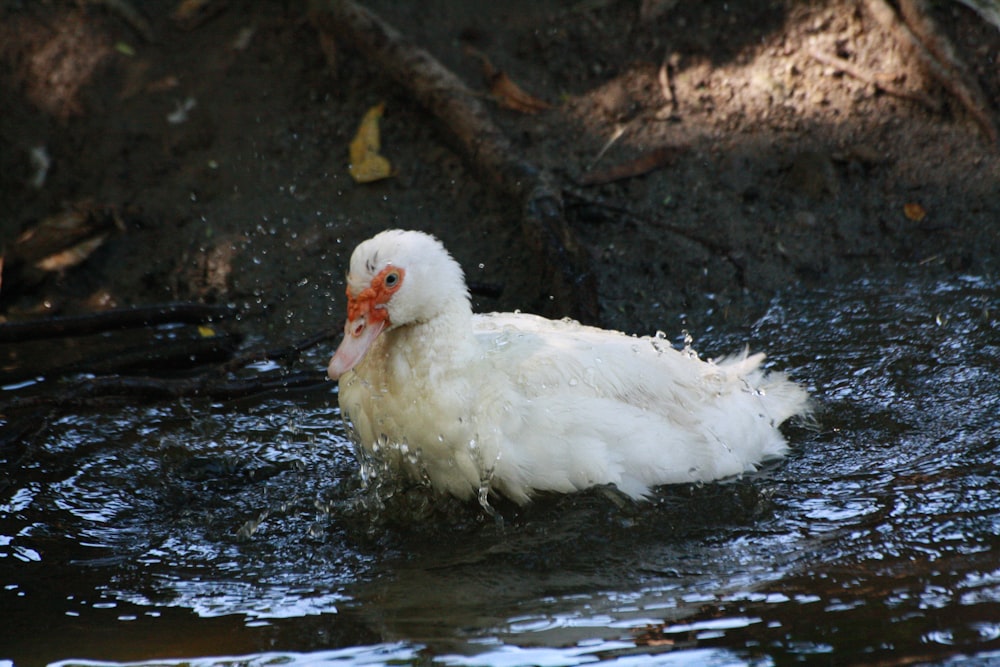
x=370 y=302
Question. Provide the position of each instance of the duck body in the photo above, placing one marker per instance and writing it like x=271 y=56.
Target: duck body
x=516 y=404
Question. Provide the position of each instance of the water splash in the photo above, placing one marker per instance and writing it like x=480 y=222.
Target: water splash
x=246 y=524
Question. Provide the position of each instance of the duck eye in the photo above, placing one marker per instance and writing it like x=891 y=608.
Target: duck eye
x=391 y=279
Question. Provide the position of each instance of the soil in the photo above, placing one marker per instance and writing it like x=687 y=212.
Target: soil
x=218 y=145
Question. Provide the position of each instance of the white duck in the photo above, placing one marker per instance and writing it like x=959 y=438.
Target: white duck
x=517 y=404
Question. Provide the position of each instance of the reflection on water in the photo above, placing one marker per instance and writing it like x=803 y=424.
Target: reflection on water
x=238 y=534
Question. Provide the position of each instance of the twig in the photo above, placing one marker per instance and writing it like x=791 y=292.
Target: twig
x=643 y=164
x=665 y=79
x=615 y=136
x=853 y=70
x=563 y=263
x=281 y=352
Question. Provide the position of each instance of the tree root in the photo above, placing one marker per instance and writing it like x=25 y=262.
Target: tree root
x=861 y=75
x=921 y=34
x=566 y=282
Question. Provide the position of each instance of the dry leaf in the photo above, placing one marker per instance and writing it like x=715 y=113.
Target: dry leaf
x=71 y=256
x=366 y=163
x=914 y=212
x=510 y=96
x=507 y=93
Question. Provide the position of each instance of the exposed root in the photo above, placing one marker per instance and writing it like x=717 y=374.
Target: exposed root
x=564 y=266
x=920 y=33
x=861 y=75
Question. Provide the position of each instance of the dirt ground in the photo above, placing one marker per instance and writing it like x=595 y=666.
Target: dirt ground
x=217 y=145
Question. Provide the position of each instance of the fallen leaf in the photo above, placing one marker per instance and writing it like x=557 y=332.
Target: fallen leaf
x=507 y=93
x=510 y=96
x=366 y=163
x=206 y=331
x=914 y=212
x=71 y=256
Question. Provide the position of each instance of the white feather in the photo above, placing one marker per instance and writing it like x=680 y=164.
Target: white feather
x=523 y=404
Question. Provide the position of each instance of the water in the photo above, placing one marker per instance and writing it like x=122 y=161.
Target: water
x=238 y=534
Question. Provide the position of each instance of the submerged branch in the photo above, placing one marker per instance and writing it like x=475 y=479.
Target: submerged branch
x=285 y=352
x=112 y=320
x=213 y=381
x=96 y=391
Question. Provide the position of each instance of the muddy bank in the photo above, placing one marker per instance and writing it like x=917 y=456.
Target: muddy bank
x=220 y=144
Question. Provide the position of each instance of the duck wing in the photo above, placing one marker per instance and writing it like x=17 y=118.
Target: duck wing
x=576 y=406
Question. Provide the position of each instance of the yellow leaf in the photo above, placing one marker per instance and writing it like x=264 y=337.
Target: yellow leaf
x=70 y=257
x=206 y=331
x=366 y=163
x=914 y=212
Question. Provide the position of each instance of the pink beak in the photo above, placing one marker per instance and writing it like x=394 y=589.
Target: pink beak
x=367 y=316
x=359 y=335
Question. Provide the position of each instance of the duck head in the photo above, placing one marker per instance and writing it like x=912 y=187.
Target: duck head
x=396 y=278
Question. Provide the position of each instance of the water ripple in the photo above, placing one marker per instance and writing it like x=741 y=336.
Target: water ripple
x=242 y=526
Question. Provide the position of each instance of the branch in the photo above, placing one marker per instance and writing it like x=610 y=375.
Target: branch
x=110 y=320
x=96 y=391
x=955 y=76
x=265 y=354
x=564 y=265
x=169 y=355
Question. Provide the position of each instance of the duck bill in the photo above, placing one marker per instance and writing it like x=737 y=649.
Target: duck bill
x=359 y=335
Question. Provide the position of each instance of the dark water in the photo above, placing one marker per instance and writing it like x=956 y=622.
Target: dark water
x=237 y=533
